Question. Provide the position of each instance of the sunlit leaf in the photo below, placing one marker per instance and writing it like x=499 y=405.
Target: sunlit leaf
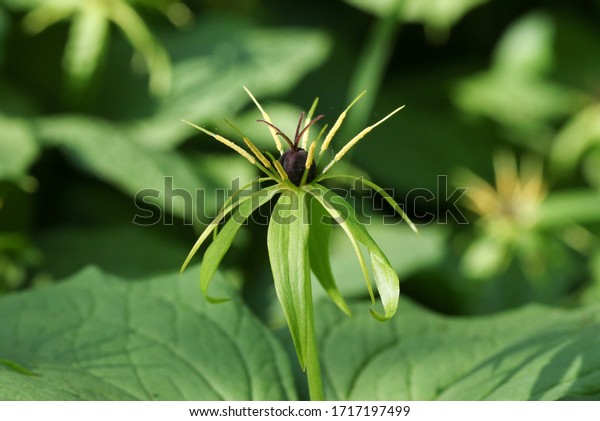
x=533 y=353
x=105 y=339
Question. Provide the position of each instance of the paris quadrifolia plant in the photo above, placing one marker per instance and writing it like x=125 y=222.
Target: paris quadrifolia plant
x=300 y=228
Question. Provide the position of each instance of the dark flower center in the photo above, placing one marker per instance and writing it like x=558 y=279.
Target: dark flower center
x=294 y=160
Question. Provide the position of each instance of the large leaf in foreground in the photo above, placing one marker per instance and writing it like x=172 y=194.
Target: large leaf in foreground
x=95 y=337
x=527 y=354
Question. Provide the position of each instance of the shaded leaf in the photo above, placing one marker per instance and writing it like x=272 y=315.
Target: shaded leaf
x=104 y=339
x=142 y=251
x=531 y=353
x=161 y=176
x=211 y=62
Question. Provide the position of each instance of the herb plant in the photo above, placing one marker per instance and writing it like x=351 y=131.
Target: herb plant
x=299 y=231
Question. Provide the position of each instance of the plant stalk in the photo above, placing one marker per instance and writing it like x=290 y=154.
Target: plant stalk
x=371 y=66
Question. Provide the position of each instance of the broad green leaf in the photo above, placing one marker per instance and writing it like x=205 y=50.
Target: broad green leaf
x=439 y=14
x=208 y=75
x=319 y=252
x=533 y=353
x=386 y=278
x=161 y=177
x=18 y=148
x=95 y=337
x=217 y=249
x=287 y=241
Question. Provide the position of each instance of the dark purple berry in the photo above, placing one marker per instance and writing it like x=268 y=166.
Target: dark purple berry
x=294 y=160
x=294 y=164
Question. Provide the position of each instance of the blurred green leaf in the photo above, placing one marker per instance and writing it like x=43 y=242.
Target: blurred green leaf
x=590 y=168
x=212 y=60
x=125 y=250
x=18 y=148
x=87 y=39
x=533 y=353
x=105 y=339
x=485 y=257
x=29 y=4
x=569 y=207
x=515 y=92
x=526 y=46
x=581 y=132
x=109 y=153
x=88 y=35
x=439 y=14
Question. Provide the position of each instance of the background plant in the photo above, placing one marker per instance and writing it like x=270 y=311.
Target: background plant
x=527 y=83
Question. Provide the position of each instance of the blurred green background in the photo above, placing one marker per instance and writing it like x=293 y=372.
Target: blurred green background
x=502 y=98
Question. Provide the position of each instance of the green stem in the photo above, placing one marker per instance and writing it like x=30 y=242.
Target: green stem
x=313 y=367
x=371 y=66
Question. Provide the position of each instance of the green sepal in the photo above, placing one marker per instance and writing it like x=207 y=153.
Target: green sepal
x=287 y=241
x=217 y=249
x=386 y=277
x=318 y=248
